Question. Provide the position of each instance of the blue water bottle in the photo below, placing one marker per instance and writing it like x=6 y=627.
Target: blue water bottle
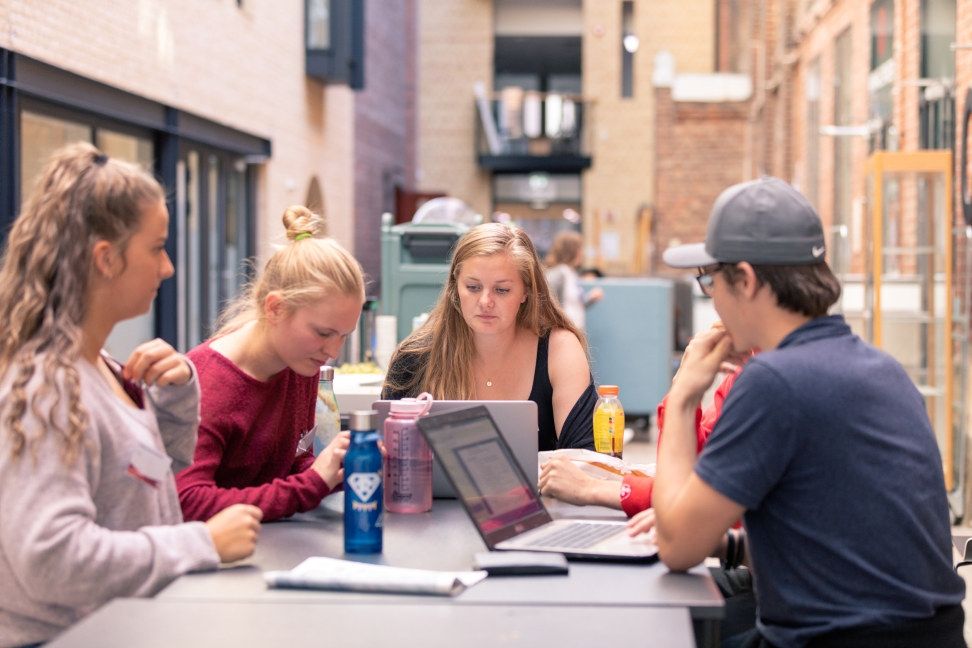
x=362 y=487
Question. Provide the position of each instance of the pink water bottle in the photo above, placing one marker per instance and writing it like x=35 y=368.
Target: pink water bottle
x=408 y=466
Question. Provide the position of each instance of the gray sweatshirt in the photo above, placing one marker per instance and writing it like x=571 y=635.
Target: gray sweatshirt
x=74 y=537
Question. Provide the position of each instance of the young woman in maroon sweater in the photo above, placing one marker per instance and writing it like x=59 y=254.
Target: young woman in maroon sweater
x=258 y=376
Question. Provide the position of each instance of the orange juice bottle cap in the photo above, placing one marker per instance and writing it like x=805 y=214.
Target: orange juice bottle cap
x=608 y=390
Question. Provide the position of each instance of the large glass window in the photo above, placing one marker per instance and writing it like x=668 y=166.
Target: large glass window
x=318 y=24
x=880 y=80
x=843 y=115
x=131 y=148
x=936 y=105
x=40 y=136
x=209 y=188
x=629 y=46
x=214 y=239
x=937 y=35
x=812 y=87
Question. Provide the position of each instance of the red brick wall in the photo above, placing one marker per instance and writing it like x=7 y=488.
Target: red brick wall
x=383 y=125
x=698 y=154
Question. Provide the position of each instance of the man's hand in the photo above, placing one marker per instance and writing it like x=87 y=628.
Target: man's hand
x=702 y=360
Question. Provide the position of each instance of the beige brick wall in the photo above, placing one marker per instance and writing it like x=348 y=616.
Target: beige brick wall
x=455 y=50
x=243 y=67
x=621 y=179
x=698 y=155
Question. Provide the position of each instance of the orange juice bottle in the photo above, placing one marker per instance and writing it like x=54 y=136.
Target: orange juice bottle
x=608 y=421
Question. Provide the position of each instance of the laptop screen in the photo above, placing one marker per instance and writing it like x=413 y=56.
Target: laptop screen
x=478 y=461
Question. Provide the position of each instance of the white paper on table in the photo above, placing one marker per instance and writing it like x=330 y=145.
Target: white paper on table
x=596 y=464
x=334 y=574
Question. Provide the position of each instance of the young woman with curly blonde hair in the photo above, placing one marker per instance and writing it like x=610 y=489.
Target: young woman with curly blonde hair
x=89 y=506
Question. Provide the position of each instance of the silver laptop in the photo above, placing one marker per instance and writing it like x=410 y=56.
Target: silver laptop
x=503 y=503
x=517 y=421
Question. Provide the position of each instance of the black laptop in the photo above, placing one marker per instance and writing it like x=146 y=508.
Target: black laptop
x=503 y=503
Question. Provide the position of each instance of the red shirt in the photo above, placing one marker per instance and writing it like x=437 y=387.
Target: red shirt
x=636 y=491
x=247 y=447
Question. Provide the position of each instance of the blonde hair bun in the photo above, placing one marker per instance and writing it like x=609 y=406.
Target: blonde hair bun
x=298 y=221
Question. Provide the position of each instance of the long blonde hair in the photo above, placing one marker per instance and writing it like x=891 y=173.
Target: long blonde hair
x=444 y=345
x=81 y=197
x=302 y=272
x=566 y=246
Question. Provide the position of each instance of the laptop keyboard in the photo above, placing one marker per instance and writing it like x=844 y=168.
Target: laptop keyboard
x=576 y=535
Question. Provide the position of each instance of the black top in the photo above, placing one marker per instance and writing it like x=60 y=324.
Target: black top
x=578 y=430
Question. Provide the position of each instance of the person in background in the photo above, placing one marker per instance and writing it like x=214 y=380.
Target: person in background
x=496 y=334
x=824 y=447
x=88 y=502
x=259 y=375
x=565 y=257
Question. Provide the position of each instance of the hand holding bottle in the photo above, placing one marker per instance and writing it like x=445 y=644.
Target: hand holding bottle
x=330 y=463
x=234 y=531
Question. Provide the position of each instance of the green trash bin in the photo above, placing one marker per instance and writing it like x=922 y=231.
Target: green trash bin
x=414 y=264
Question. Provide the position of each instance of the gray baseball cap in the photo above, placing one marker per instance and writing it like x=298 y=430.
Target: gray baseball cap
x=764 y=222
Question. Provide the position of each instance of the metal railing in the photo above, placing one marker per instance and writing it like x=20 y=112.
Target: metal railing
x=519 y=122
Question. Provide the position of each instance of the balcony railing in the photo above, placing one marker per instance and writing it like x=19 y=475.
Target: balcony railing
x=522 y=131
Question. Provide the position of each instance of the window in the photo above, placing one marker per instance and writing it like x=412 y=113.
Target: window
x=207 y=169
x=936 y=104
x=213 y=240
x=318 y=24
x=812 y=89
x=880 y=79
x=843 y=198
x=629 y=45
x=334 y=41
x=138 y=149
x=41 y=134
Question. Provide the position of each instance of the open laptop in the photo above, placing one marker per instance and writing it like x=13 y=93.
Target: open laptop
x=517 y=422
x=503 y=503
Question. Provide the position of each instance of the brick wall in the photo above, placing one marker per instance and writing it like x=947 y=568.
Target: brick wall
x=698 y=154
x=622 y=178
x=383 y=126
x=187 y=54
x=455 y=50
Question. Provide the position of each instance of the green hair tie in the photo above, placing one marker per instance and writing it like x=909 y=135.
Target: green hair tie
x=302 y=236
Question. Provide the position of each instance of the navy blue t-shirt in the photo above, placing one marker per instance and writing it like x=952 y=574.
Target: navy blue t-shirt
x=826 y=443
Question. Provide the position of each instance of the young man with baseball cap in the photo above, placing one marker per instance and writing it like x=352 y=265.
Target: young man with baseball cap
x=824 y=447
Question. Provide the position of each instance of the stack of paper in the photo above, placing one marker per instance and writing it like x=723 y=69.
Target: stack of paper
x=335 y=574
